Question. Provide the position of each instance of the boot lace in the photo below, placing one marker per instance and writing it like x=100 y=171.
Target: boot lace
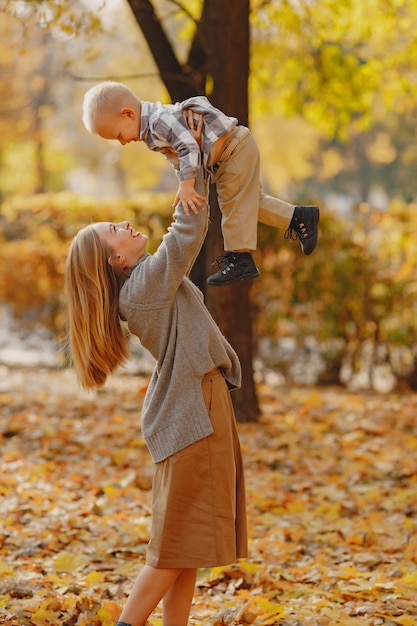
x=296 y=231
x=223 y=262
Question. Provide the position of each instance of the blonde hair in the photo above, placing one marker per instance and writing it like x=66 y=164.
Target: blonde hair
x=96 y=339
x=103 y=97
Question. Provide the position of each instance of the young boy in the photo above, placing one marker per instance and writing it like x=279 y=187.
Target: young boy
x=228 y=153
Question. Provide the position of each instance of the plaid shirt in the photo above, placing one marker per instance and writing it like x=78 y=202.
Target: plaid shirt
x=162 y=126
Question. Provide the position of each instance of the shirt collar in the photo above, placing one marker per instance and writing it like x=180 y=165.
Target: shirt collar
x=144 y=119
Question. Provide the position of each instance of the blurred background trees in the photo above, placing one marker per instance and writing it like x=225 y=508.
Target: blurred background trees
x=332 y=103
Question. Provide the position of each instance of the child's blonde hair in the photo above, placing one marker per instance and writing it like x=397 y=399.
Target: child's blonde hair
x=103 y=97
x=96 y=339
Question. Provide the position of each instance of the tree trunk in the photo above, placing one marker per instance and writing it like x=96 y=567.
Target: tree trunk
x=226 y=36
x=231 y=307
x=220 y=50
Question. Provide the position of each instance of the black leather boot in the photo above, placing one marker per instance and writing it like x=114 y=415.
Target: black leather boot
x=234 y=266
x=304 y=227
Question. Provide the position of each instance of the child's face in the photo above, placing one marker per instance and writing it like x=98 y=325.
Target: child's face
x=122 y=126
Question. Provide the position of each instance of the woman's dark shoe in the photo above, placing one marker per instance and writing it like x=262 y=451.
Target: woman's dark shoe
x=303 y=227
x=234 y=266
x=118 y=623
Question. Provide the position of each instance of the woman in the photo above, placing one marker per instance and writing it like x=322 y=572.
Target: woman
x=198 y=509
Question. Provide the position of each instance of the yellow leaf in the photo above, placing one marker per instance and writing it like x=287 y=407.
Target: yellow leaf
x=350 y=572
x=246 y=566
x=5 y=569
x=216 y=571
x=409 y=579
x=314 y=400
x=273 y=609
x=44 y=616
x=296 y=506
x=58 y=580
x=95 y=577
x=109 y=613
x=406 y=620
x=259 y=605
x=111 y=490
x=67 y=562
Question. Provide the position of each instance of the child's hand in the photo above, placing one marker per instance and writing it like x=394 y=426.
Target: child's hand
x=189 y=119
x=188 y=196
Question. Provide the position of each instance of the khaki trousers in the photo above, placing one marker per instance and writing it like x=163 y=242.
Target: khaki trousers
x=242 y=202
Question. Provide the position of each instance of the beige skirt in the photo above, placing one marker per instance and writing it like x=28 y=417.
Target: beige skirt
x=199 y=506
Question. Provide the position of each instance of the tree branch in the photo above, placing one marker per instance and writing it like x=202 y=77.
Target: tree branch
x=178 y=81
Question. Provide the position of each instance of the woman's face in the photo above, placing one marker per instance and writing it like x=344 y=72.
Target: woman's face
x=127 y=245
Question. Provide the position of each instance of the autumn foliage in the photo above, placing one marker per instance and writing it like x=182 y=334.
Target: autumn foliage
x=353 y=299
x=35 y=233
x=331 y=490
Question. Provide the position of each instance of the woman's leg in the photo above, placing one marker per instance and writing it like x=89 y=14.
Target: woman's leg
x=178 y=598
x=150 y=587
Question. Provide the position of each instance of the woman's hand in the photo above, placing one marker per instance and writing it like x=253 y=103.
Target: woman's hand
x=197 y=133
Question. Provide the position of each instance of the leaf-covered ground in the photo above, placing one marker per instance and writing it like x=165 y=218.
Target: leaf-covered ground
x=332 y=502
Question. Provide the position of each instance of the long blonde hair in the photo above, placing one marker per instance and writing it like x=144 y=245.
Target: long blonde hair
x=96 y=339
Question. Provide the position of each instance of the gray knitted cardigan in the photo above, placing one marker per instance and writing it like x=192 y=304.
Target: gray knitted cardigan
x=166 y=311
